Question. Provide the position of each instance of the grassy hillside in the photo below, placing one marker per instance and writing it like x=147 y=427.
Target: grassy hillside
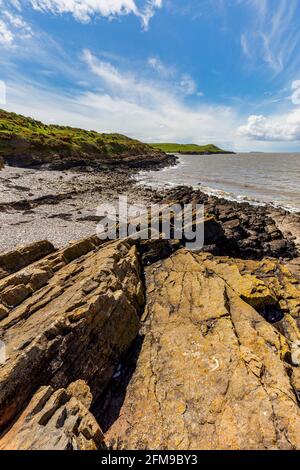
x=27 y=142
x=189 y=149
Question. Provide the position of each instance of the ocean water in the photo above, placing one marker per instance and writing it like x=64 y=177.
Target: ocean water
x=254 y=177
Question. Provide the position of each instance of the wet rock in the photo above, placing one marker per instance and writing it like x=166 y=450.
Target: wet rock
x=250 y=232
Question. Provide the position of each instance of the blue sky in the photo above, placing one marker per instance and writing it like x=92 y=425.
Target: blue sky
x=220 y=71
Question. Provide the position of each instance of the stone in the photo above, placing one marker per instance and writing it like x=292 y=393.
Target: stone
x=60 y=333
x=232 y=224
x=250 y=232
x=277 y=245
x=12 y=261
x=81 y=391
x=211 y=372
x=147 y=345
x=13 y=296
x=55 y=420
x=3 y=312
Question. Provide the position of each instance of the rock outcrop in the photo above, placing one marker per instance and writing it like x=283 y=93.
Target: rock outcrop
x=12 y=261
x=249 y=232
x=147 y=345
x=70 y=316
x=212 y=372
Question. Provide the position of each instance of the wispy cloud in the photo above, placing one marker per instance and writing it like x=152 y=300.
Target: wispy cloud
x=6 y=35
x=273 y=34
x=85 y=10
x=125 y=101
x=185 y=83
x=162 y=69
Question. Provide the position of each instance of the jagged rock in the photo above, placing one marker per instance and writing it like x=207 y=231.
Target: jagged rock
x=212 y=372
x=250 y=232
x=214 y=366
x=80 y=314
x=56 y=420
x=12 y=261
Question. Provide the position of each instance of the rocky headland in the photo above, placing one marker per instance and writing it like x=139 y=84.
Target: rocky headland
x=143 y=344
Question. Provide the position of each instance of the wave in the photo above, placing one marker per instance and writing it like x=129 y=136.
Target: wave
x=273 y=196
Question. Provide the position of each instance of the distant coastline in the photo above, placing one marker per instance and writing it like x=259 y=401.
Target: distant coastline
x=190 y=149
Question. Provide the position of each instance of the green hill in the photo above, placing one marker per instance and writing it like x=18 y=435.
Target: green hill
x=27 y=142
x=192 y=149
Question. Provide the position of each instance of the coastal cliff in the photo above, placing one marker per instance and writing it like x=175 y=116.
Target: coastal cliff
x=26 y=142
x=190 y=149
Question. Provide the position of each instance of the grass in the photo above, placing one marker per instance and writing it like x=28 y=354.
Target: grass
x=188 y=148
x=25 y=138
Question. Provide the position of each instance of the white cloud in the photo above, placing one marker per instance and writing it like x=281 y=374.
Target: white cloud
x=148 y=11
x=6 y=36
x=185 y=82
x=153 y=110
x=12 y=26
x=85 y=10
x=295 y=98
x=134 y=88
x=188 y=85
x=274 y=34
x=245 y=45
x=283 y=128
x=160 y=67
x=2 y=92
x=116 y=101
x=16 y=4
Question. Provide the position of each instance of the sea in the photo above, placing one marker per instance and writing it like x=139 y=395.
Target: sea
x=257 y=178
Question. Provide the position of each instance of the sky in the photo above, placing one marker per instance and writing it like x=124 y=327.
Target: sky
x=190 y=71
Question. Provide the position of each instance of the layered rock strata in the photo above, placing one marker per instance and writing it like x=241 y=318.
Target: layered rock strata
x=56 y=420
x=70 y=316
x=147 y=345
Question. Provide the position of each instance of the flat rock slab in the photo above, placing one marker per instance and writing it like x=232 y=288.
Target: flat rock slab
x=213 y=373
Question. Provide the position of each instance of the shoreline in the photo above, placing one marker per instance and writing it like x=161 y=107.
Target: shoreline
x=102 y=319
x=60 y=206
x=215 y=192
